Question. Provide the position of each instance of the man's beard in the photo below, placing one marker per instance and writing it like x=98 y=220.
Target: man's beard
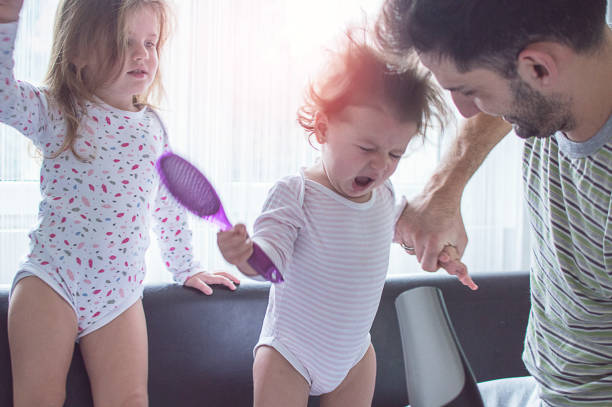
x=535 y=115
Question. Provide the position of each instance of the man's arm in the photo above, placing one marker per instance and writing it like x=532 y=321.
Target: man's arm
x=432 y=220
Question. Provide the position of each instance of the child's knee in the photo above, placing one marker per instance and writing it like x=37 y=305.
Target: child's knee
x=136 y=399
x=40 y=397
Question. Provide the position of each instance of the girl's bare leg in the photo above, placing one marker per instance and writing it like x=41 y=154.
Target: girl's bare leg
x=42 y=329
x=116 y=358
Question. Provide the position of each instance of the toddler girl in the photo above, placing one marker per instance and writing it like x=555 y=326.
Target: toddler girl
x=329 y=230
x=99 y=137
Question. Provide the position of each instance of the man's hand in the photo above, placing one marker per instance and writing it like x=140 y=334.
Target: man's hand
x=432 y=220
x=427 y=225
x=450 y=261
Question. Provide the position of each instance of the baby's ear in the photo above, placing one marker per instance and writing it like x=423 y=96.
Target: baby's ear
x=320 y=127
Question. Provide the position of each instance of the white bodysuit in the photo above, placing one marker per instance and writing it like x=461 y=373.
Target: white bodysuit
x=95 y=215
x=334 y=255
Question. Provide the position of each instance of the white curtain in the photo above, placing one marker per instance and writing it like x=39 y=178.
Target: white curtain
x=234 y=73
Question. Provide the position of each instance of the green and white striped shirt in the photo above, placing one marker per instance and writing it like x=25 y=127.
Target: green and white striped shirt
x=568 y=346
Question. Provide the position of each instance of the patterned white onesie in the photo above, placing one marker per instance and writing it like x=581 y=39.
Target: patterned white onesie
x=95 y=215
x=334 y=255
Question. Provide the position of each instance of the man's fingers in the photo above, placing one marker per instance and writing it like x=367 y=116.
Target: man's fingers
x=430 y=259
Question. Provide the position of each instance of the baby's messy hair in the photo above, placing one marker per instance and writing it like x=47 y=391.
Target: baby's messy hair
x=358 y=73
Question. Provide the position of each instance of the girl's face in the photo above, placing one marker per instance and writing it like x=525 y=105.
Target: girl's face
x=361 y=147
x=141 y=60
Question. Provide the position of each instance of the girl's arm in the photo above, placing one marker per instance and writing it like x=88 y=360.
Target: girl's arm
x=175 y=241
x=9 y=10
x=174 y=237
x=432 y=220
x=22 y=105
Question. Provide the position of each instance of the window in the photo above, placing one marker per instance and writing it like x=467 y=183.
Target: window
x=234 y=73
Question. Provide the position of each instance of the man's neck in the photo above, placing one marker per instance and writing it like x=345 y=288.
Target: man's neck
x=592 y=96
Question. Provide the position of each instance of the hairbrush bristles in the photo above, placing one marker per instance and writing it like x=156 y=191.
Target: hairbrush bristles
x=192 y=190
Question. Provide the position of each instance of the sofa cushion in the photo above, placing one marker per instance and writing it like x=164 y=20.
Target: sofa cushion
x=200 y=348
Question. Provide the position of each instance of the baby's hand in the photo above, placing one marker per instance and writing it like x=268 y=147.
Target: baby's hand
x=235 y=245
x=200 y=281
x=9 y=10
x=449 y=260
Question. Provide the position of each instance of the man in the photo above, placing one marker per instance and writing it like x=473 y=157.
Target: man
x=545 y=66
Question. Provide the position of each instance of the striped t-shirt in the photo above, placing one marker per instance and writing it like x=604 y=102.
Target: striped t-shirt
x=568 y=346
x=334 y=255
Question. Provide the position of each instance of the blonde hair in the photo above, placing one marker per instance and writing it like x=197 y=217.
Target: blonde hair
x=93 y=30
x=358 y=73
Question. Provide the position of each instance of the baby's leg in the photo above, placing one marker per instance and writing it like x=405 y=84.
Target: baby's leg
x=276 y=382
x=116 y=358
x=357 y=388
x=42 y=328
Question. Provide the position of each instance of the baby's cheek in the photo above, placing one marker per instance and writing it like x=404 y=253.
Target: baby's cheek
x=392 y=169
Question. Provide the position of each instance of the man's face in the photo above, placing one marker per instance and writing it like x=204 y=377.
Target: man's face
x=483 y=90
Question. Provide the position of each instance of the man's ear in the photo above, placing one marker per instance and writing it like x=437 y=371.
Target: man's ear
x=538 y=64
x=321 y=125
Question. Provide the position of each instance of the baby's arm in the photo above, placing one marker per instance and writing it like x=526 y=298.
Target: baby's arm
x=236 y=248
x=274 y=231
x=9 y=10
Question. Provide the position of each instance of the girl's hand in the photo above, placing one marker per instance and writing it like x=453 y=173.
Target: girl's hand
x=9 y=10
x=201 y=281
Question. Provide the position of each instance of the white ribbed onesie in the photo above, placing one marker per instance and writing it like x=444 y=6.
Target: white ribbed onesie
x=333 y=254
x=95 y=215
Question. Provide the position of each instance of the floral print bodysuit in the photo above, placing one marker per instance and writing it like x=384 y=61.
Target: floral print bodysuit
x=95 y=213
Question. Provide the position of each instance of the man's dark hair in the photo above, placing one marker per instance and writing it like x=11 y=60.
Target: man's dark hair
x=489 y=32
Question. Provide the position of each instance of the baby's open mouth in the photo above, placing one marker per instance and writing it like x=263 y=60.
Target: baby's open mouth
x=363 y=181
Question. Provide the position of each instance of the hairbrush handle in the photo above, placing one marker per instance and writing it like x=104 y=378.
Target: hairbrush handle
x=262 y=264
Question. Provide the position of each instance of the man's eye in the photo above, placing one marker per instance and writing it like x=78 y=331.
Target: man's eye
x=366 y=148
x=396 y=156
x=149 y=44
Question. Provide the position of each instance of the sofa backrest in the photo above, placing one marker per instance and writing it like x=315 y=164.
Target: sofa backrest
x=200 y=348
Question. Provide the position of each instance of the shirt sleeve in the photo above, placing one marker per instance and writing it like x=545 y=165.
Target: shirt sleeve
x=278 y=226
x=22 y=105
x=174 y=236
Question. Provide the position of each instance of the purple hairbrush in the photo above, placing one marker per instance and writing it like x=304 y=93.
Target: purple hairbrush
x=193 y=191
